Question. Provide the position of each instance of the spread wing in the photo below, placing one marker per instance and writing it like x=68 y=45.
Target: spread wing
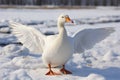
x=30 y=37
x=87 y=38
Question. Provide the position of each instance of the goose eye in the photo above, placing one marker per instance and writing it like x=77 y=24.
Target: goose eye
x=62 y=16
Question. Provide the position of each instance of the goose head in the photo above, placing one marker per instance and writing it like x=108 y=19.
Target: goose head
x=63 y=18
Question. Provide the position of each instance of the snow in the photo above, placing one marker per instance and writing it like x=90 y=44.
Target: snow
x=102 y=62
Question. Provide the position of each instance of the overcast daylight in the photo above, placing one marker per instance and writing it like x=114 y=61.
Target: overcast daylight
x=59 y=40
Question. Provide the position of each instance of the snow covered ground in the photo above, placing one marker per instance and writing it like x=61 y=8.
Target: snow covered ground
x=102 y=62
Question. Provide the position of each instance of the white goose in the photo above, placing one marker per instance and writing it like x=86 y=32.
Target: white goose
x=58 y=49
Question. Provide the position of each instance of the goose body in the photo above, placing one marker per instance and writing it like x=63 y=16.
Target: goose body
x=58 y=49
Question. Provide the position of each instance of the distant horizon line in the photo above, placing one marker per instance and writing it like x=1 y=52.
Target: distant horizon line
x=51 y=7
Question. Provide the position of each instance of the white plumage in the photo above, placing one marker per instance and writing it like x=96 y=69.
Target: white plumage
x=57 y=49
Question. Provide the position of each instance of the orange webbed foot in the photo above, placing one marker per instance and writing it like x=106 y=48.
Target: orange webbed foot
x=51 y=73
x=64 y=71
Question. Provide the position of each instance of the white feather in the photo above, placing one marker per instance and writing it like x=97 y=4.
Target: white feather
x=87 y=38
x=29 y=37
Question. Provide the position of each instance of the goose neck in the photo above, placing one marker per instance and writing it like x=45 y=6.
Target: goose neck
x=62 y=31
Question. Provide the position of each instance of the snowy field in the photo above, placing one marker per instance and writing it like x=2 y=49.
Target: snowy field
x=102 y=62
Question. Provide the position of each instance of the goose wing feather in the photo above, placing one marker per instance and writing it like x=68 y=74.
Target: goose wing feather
x=87 y=38
x=30 y=37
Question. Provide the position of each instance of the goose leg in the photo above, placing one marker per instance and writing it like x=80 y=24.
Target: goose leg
x=64 y=71
x=50 y=72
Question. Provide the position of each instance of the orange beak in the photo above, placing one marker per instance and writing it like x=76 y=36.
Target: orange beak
x=68 y=20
